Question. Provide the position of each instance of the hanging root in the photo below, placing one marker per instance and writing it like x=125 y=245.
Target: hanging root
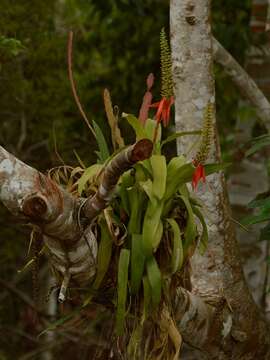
x=64 y=286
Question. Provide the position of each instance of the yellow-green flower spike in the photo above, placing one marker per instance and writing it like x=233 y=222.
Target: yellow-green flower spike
x=206 y=137
x=166 y=66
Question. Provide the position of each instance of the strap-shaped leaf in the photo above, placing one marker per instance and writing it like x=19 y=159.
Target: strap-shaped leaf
x=212 y=168
x=146 y=299
x=137 y=262
x=174 y=166
x=136 y=199
x=191 y=230
x=159 y=171
x=180 y=175
x=204 y=237
x=122 y=288
x=178 y=252
x=136 y=125
x=104 y=254
x=150 y=126
x=157 y=236
x=103 y=153
x=150 y=225
x=148 y=188
x=126 y=183
x=154 y=278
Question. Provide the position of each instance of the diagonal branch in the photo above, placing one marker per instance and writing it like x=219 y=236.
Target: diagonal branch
x=35 y=198
x=243 y=81
x=141 y=150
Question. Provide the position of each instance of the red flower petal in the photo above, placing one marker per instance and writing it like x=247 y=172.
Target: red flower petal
x=199 y=174
x=167 y=114
x=160 y=110
x=164 y=110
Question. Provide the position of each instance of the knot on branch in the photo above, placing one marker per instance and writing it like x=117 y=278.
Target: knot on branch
x=141 y=150
x=191 y=20
x=34 y=206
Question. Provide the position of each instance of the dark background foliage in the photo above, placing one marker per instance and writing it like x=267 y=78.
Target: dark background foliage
x=116 y=46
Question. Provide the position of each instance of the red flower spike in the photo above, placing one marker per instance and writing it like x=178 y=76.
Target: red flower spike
x=163 y=110
x=199 y=174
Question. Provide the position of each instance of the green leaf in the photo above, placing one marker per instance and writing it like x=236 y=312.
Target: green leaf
x=104 y=254
x=126 y=183
x=255 y=219
x=136 y=125
x=159 y=171
x=136 y=199
x=258 y=144
x=179 y=134
x=151 y=226
x=256 y=147
x=122 y=287
x=177 y=178
x=88 y=174
x=146 y=299
x=263 y=203
x=177 y=253
x=213 y=168
x=147 y=186
x=150 y=126
x=11 y=46
x=157 y=236
x=137 y=262
x=103 y=153
x=191 y=230
x=154 y=278
x=204 y=237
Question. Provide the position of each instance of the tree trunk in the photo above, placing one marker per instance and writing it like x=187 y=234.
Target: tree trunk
x=218 y=274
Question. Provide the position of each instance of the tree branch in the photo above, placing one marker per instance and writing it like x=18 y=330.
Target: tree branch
x=35 y=198
x=243 y=81
x=141 y=150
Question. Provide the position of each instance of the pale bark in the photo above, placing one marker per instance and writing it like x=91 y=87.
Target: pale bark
x=64 y=220
x=33 y=197
x=243 y=81
x=218 y=274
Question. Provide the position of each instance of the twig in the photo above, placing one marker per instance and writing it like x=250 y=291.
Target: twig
x=72 y=83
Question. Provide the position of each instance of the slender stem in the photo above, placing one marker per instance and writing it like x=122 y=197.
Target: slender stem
x=72 y=83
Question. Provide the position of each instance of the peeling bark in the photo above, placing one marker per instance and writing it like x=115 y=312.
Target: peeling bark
x=141 y=150
x=218 y=274
x=32 y=196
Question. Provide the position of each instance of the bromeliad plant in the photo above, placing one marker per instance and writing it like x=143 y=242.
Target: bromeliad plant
x=147 y=222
